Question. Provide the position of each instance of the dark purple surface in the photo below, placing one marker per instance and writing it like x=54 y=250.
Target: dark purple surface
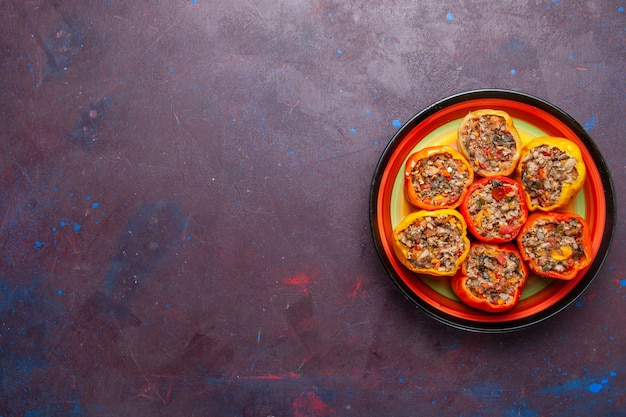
x=184 y=208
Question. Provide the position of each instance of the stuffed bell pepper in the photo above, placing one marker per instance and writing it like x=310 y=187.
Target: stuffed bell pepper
x=494 y=209
x=491 y=277
x=552 y=172
x=432 y=242
x=490 y=141
x=437 y=177
x=556 y=244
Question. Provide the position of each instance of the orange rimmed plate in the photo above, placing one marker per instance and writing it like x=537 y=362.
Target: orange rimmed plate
x=437 y=125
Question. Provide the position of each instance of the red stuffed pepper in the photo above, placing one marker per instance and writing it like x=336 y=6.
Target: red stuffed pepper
x=437 y=177
x=556 y=244
x=491 y=277
x=494 y=209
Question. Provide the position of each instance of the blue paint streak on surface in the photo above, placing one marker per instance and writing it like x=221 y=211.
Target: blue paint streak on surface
x=396 y=123
x=148 y=236
x=487 y=392
x=450 y=16
x=90 y=123
x=580 y=385
x=24 y=355
x=595 y=387
x=60 y=45
x=566 y=387
x=591 y=123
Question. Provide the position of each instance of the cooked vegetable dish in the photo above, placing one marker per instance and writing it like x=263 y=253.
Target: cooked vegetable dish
x=432 y=242
x=494 y=209
x=489 y=140
x=437 y=177
x=552 y=172
x=491 y=277
x=489 y=272
x=555 y=245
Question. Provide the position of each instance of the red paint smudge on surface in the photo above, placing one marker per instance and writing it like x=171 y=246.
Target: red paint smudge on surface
x=299 y=279
x=308 y=404
x=589 y=297
x=356 y=289
x=157 y=388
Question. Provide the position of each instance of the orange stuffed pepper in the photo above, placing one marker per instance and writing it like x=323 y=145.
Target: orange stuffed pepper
x=437 y=177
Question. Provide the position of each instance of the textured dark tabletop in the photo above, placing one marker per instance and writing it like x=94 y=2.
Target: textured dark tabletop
x=184 y=207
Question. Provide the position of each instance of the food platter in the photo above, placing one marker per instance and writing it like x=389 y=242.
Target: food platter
x=436 y=125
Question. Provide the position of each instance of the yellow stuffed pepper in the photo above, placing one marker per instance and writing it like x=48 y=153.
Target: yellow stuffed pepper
x=432 y=242
x=552 y=171
x=490 y=141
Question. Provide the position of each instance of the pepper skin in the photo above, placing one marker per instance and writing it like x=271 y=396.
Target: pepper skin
x=482 y=285
x=424 y=240
x=418 y=187
x=535 y=179
x=490 y=153
x=505 y=194
x=563 y=246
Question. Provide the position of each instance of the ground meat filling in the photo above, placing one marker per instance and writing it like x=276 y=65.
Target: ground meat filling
x=434 y=242
x=495 y=210
x=488 y=143
x=554 y=245
x=493 y=275
x=544 y=172
x=439 y=179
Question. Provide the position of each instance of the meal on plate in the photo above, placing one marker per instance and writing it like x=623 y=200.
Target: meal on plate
x=555 y=244
x=490 y=141
x=491 y=277
x=473 y=221
x=494 y=209
x=432 y=242
x=437 y=177
x=552 y=172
